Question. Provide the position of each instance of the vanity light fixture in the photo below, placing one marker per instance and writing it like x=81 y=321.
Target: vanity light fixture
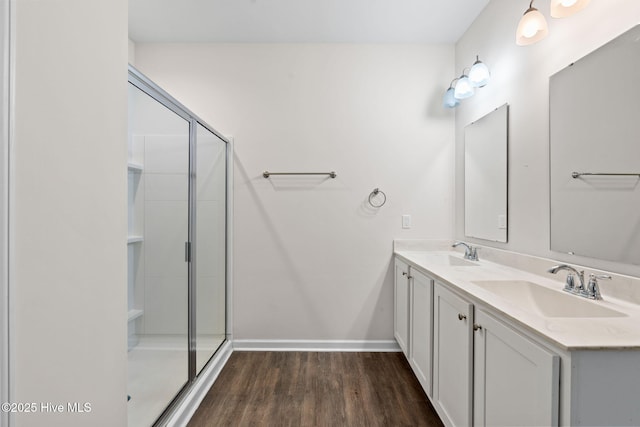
x=479 y=74
x=464 y=87
x=449 y=100
x=564 y=8
x=532 y=27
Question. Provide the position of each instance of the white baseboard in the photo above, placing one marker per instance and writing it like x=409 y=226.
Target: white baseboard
x=187 y=407
x=316 y=345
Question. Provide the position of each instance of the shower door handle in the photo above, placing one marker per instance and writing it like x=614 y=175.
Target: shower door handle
x=187 y=251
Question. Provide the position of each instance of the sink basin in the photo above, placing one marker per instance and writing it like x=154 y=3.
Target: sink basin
x=459 y=261
x=452 y=260
x=446 y=258
x=546 y=302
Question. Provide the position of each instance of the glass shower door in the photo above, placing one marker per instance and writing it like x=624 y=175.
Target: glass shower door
x=158 y=274
x=210 y=241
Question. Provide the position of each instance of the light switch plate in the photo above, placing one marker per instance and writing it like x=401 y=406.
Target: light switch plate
x=502 y=222
x=406 y=221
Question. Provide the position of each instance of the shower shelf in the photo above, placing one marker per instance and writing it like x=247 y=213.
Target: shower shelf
x=134 y=314
x=134 y=239
x=135 y=167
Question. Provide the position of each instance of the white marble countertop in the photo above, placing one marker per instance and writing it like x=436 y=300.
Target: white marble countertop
x=568 y=333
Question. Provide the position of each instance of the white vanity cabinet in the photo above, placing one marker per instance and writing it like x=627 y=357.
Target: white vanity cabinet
x=483 y=362
x=515 y=381
x=421 y=327
x=486 y=373
x=401 y=305
x=413 y=320
x=452 y=356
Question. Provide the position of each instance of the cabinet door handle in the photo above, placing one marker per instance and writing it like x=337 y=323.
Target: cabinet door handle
x=409 y=277
x=404 y=273
x=476 y=327
x=461 y=316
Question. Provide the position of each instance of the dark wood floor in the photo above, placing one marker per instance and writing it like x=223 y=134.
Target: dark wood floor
x=315 y=389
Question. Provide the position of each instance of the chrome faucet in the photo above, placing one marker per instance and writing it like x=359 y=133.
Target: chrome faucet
x=470 y=252
x=591 y=290
x=570 y=285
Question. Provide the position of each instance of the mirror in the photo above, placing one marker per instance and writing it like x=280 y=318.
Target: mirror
x=595 y=153
x=485 y=176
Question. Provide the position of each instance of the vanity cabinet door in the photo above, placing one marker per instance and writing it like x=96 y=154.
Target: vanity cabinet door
x=516 y=382
x=401 y=309
x=421 y=329
x=452 y=358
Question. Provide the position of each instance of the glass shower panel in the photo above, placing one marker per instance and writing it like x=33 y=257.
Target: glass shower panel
x=210 y=241
x=158 y=274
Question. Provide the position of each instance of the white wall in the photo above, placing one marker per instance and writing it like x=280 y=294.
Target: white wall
x=131 y=51
x=520 y=77
x=312 y=259
x=68 y=253
x=5 y=106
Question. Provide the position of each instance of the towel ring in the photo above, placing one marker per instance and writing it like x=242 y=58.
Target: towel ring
x=374 y=193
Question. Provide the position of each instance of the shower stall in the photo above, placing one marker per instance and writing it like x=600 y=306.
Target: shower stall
x=177 y=249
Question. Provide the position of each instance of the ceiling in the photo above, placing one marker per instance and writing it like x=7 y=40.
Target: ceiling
x=301 y=21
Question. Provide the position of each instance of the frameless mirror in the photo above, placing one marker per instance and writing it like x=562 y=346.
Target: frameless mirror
x=485 y=176
x=595 y=154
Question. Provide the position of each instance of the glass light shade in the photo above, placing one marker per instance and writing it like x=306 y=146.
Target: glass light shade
x=464 y=89
x=450 y=101
x=479 y=74
x=564 y=8
x=532 y=27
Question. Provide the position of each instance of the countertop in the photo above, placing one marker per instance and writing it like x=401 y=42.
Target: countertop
x=568 y=333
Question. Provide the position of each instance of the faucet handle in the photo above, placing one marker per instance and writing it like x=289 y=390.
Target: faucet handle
x=593 y=289
x=570 y=284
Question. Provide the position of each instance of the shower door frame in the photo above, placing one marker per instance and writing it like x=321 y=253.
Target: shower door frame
x=143 y=83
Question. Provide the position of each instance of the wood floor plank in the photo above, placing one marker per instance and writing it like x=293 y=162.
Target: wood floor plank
x=315 y=389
